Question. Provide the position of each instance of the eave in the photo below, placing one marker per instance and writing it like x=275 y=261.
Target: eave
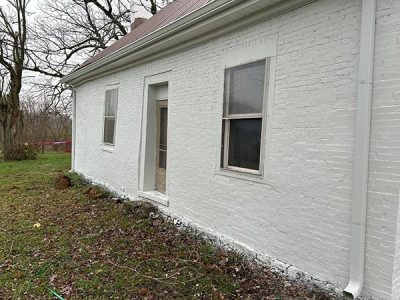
x=213 y=20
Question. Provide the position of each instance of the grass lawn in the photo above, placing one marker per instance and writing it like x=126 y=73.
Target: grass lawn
x=97 y=249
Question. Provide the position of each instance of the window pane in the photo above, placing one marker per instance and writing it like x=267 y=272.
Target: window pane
x=111 y=102
x=163 y=127
x=245 y=143
x=109 y=127
x=246 y=88
x=223 y=143
x=163 y=159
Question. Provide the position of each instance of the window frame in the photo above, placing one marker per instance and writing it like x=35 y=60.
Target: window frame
x=111 y=88
x=226 y=120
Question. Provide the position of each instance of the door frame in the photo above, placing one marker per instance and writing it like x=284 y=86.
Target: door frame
x=147 y=155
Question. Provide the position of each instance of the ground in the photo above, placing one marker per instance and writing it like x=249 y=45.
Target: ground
x=65 y=244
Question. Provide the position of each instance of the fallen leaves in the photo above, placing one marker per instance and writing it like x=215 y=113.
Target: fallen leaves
x=90 y=248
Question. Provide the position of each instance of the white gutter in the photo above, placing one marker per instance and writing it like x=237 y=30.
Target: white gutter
x=203 y=22
x=361 y=151
x=73 y=126
x=180 y=24
x=73 y=130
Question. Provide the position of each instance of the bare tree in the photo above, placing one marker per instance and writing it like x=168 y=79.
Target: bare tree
x=74 y=31
x=43 y=123
x=13 y=37
x=3 y=95
x=152 y=6
x=65 y=34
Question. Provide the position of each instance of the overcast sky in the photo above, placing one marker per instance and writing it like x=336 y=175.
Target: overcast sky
x=32 y=5
x=141 y=12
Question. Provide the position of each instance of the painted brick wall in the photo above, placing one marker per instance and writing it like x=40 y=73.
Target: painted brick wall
x=384 y=184
x=300 y=212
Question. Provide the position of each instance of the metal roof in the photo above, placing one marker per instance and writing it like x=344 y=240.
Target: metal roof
x=172 y=12
x=189 y=23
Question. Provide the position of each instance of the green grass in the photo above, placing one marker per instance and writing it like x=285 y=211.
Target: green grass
x=96 y=249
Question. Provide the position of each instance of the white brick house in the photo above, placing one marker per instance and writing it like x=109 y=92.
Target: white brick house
x=282 y=120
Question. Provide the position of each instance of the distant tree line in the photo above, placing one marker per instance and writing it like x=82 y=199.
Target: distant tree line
x=42 y=124
x=38 y=48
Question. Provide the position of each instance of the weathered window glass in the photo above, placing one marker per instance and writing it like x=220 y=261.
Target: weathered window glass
x=246 y=88
x=243 y=119
x=163 y=137
x=244 y=143
x=110 y=115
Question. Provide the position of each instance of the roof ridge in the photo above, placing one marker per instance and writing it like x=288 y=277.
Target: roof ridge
x=172 y=12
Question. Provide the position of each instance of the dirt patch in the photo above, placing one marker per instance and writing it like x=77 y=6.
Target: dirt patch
x=62 y=182
x=96 y=193
x=140 y=209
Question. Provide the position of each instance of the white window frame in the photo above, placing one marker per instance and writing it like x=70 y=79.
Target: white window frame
x=110 y=88
x=227 y=117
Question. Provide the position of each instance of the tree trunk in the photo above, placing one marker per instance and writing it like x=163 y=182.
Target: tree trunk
x=153 y=8
x=12 y=59
x=12 y=127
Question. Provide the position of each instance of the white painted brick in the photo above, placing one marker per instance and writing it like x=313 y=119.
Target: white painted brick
x=301 y=213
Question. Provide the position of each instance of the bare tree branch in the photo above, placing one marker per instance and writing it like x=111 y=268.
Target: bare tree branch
x=74 y=31
x=13 y=33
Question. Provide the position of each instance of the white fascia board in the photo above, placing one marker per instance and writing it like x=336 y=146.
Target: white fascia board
x=203 y=24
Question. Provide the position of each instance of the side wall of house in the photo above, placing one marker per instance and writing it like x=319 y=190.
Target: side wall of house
x=384 y=184
x=300 y=212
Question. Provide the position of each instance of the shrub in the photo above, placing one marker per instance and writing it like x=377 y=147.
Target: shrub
x=76 y=179
x=22 y=152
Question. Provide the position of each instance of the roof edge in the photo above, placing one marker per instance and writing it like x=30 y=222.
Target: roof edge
x=190 y=26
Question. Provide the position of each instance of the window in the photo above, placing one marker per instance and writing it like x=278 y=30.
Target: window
x=242 y=131
x=110 y=115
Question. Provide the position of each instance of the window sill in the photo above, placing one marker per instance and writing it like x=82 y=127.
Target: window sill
x=107 y=148
x=241 y=175
x=155 y=196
